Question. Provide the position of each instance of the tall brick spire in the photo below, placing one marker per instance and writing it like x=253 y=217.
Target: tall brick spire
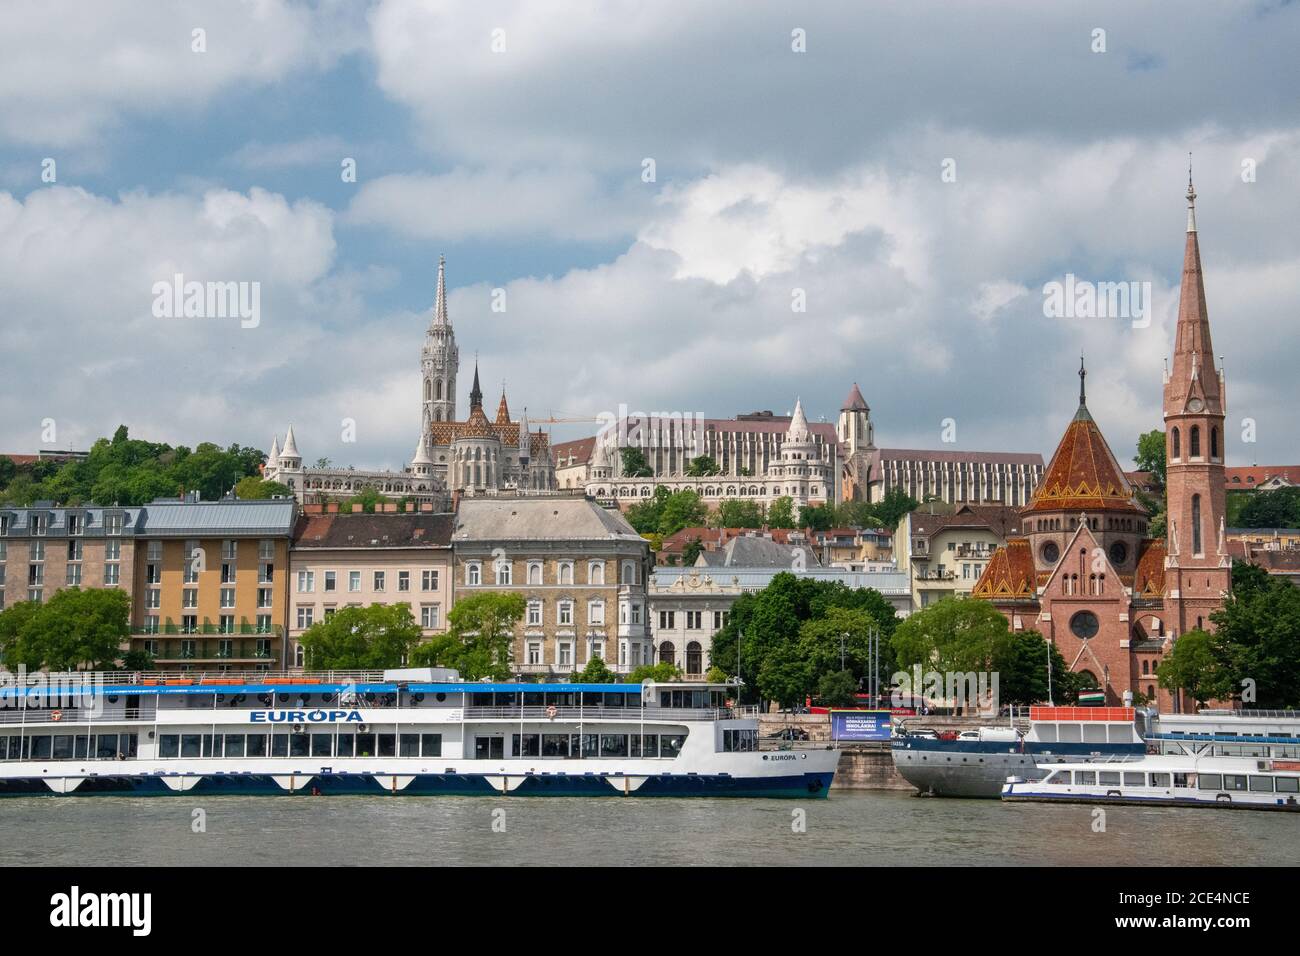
x=1197 y=564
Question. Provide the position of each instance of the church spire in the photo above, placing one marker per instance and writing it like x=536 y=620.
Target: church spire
x=1193 y=360
x=1191 y=197
x=1082 y=415
x=440 y=302
x=476 y=393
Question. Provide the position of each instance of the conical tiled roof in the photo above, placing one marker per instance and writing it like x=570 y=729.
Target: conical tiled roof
x=1083 y=474
x=503 y=410
x=855 y=402
x=1010 y=573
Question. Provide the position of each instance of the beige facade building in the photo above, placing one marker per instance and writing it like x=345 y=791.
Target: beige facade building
x=581 y=569
x=211 y=580
x=356 y=560
x=944 y=554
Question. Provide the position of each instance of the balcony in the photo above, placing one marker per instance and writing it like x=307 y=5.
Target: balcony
x=206 y=629
x=936 y=575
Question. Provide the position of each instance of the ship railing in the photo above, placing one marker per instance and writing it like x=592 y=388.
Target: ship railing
x=568 y=713
x=22 y=716
x=1246 y=713
x=215 y=677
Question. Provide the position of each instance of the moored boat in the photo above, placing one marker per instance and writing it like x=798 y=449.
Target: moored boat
x=389 y=734
x=1168 y=780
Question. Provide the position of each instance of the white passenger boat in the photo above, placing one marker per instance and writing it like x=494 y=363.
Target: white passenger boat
x=390 y=733
x=1259 y=783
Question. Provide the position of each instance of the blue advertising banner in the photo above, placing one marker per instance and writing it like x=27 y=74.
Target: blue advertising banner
x=860 y=724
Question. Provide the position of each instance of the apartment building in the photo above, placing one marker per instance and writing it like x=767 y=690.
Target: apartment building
x=350 y=560
x=46 y=548
x=211 y=587
x=945 y=550
x=581 y=568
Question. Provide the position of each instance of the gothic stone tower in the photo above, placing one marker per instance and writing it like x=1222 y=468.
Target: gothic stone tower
x=439 y=360
x=1198 y=569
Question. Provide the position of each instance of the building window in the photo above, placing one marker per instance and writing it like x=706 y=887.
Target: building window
x=1196 y=524
x=330 y=581
x=1194 y=442
x=299 y=655
x=720 y=620
x=667 y=620
x=112 y=574
x=627 y=575
x=266 y=549
x=535 y=572
x=227 y=573
x=636 y=613
x=403 y=580
x=74 y=575
x=190 y=597
x=264 y=597
x=354 y=581
x=565 y=658
x=429 y=580
x=503 y=571
x=306 y=582
x=39 y=524
x=596 y=573
x=112 y=524
x=229 y=549
x=379 y=580
x=304 y=616
x=153 y=598
x=112 y=551
x=74 y=550
x=596 y=612
x=267 y=574
x=692 y=619
x=534 y=618
x=566 y=572
x=564 y=613
x=1214 y=442
x=597 y=650
x=1176 y=442
x=36 y=549
x=227 y=597
x=429 y=614
x=155 y=551
x=473 y=574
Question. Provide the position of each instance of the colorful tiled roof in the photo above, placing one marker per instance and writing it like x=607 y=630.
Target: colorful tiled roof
x=1083 y=474
x=1149 y=578
x=1010 y=573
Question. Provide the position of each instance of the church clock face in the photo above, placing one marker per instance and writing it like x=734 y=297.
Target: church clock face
x=1195 y=405
x=1050 y=552
x=1084 y=625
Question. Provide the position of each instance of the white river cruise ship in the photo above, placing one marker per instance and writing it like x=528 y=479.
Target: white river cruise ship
x=409 y=732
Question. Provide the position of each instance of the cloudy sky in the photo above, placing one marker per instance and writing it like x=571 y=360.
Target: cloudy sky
x=916 y=176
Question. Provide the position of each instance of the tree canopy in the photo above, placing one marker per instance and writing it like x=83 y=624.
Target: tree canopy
x=480 y=638
x=362 y=638
x=667 y=512
x=74 y=629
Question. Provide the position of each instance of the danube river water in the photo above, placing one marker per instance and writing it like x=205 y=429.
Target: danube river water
x=853 y=828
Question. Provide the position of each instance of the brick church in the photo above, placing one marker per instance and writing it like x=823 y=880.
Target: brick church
x=1084 y=573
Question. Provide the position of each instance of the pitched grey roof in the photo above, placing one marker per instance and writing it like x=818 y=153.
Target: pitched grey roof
x=211 y=518
x=755 y=552
x=522 y=519
x=57 y=523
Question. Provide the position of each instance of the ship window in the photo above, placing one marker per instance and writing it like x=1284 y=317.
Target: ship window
x=1057 y=778
x=279 y=745
x=322 y=745
x=1135 y=779
x=234 y=745
x=431 y=745
x=1085 y=778
x=40 y=748
x=1287 y=784
x=1159 y=779
x=670 y=745
x=62 y=747
x=346 y=746
x=298 y=745
x=169 y=745
x=212 y=745
x=1108 y=778
x=1046 y=733
x=1234 y=781
x=191 y=745
x=365 y=745
x=255 y=745
x=613 y=745
x=387 y=745
x=1210 y=781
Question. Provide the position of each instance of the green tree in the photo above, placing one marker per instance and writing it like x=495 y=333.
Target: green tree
x=634 y=463
x=780 y=513
x=480 y=638
x=702 y=467
x=785 y=676
x=645 y=515
x=1272 y=509
x=366 y=499
x=682 y=509
x=716 y=675
x=1151 y=454
x=954 y=635
x=250 y=488
x=837 y=689
x=7 y=470
x=13 y=622
x=1020 y=659
x=692 y=551
x=362 y=638
x=661 y=673
x=890 y=509
x=817 y=517
x=1256 y=643
x=596 y=673
x=856 y=514
x=740 y=513
x=76 y=629
x=1193 y=666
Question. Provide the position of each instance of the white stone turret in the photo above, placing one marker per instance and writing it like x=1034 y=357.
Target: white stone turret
x=289 y=459
x=422 y=462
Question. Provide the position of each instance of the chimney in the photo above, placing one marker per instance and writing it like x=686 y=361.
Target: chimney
x=332 y=507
